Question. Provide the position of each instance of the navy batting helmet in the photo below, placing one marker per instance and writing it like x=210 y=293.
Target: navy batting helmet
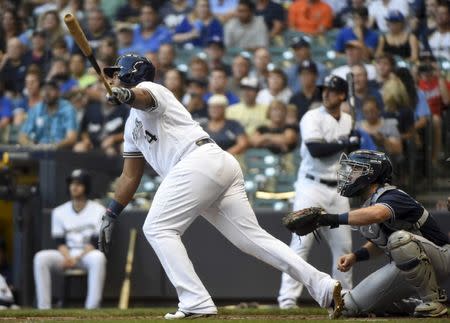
x=361 y=168
x=132 y=69
x=82 y=176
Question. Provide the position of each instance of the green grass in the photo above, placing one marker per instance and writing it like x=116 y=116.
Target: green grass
x=314 y=314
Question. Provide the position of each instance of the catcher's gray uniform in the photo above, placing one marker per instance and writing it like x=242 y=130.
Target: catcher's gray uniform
x=420 y=255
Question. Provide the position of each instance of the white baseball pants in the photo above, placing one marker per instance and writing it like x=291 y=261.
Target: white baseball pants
x=46 y=261
x=209 y=182
x=313 y=194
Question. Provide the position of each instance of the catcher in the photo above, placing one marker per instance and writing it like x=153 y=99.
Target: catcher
x=393 y=223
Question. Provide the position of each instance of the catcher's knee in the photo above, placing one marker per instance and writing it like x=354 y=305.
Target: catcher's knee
x=405 y=250
x=350 y=306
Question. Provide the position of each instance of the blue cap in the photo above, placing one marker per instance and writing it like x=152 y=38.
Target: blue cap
x=395 y=16
x=217 y=40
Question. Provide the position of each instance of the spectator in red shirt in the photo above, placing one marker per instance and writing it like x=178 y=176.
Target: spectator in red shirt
x=310 y=16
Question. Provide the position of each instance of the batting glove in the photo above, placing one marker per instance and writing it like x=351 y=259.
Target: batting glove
x=106 y=229
x=120 y=95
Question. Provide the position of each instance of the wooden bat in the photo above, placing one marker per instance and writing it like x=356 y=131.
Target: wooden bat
x=125 y=291
x=351 y=97
x=80 y=38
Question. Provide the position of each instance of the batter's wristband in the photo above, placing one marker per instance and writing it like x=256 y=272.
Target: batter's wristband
x=131 y=96
x=114 y=209
x=362 y=254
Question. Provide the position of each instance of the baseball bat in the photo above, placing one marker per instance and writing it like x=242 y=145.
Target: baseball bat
x=125 y=291
x=80 y=38
x=351 y=97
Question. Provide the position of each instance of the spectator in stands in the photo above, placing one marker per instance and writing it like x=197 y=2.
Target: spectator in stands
x=166 y=61
x=302 y=52
x=246 y=30
x=218 y=85
x=215 y=50
x=102 y=127
x=384 y=64
x=78 y=71
x=124 y=34
x=398 y=41
x=97 y=29
x=261 y=61
x=433 y=83
x=174 y=11
x=274 y=16
x=50 y=23
x=439 y=40
x=13 y=66
x=198 y=68
x=399 y=105
x=224 y=10
x=363 y=90
x=383 y=131
x=277 y=136
x=60 y=72
x=130 y=11
x=174 y=80
x=60 y=50
x=228 y=134
x=430 y=23
x=249 y=113
x=149 y=34
x=354 y=52
x=10 y=27
x=345 y=16
x=74 y=229
x=6 y=109
x=277 y=88
x=379 y=9
x=51 y=123
x=40 y=54
x=358 y=32
x=240 y=69
x=194 y=99
x=197 y=27
x=309 y=93
x=310 y=16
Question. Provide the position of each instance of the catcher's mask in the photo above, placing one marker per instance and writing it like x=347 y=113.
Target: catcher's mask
x=361 y=168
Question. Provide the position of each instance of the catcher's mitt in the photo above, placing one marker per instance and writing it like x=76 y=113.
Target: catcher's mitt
x=304 y=221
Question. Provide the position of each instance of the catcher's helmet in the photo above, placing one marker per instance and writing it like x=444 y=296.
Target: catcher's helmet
x=82 y=176
x=132 y=69
x=361 y=168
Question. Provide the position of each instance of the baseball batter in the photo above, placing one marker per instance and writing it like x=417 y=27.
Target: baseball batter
x=75 y=226
x=399 y=226
x=325 y=133
x=199 y=178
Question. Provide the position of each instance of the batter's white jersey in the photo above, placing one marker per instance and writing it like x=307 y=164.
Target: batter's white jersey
x=320 y=126
x=77 y=228
x=162 y=134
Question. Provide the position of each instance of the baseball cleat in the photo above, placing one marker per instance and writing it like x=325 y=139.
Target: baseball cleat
x=337 y=303
x=180 y=315
x=430 y=309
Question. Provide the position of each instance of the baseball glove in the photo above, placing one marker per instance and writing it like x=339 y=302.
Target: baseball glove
x=304 y=221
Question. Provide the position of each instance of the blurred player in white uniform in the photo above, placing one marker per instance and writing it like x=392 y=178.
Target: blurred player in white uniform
x=75 y=226
x=199 y=178
x=325 y=133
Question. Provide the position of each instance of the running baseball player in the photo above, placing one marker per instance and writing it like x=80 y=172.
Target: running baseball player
x=325 y=133
x=199 y=178
x=396 y=224
x=75 y=226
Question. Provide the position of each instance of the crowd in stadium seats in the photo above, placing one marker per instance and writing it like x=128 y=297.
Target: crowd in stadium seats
x=246 y=70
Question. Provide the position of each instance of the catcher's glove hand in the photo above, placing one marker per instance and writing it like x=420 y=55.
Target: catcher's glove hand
x=307 y=220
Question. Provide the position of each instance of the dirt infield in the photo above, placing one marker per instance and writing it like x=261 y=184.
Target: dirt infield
x=313 y=314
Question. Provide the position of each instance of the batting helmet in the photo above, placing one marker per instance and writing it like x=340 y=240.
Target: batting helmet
x=361 y=168
x=82 y=176
x=132 y=69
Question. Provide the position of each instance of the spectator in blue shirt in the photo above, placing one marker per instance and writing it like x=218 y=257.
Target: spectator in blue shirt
x=198 y=27
x=359 y=32
x=149 y=34
x=224 y=10
x=51 y=124
x=218 y=85
x=6 y=107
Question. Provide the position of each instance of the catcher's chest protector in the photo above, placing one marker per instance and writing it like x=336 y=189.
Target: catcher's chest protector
x=379 y=233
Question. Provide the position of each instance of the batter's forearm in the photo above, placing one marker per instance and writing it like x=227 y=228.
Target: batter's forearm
x=125 y=189
x=143 y=100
